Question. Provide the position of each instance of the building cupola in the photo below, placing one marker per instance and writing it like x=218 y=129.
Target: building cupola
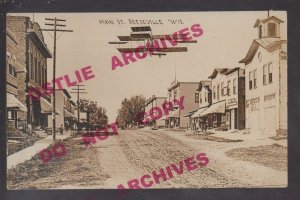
x=268 y=28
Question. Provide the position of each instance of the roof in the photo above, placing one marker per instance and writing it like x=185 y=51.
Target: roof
x=232 y=70
x=263 y=21
x=177 y=83
x=39 y=43
x=148 y=101
x=218 y=70
x=204 y=83
x=270 y=44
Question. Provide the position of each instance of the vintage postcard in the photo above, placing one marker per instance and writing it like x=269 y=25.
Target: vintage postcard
x=147 y=100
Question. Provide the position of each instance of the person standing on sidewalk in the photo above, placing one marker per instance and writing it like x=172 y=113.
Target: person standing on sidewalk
x=29 y=129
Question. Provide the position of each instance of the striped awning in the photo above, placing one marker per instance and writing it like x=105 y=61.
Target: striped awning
x=46 y=107
x=218 y=107
x=67 y=114
x=198 y=112
x=14 y=104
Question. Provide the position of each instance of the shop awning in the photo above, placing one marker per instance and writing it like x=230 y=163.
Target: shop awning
x=198 y=112
x=215 y=108
x=173 y=114
x=190 y=113
x=67 y=114
x=46 y=107
x=14 y=104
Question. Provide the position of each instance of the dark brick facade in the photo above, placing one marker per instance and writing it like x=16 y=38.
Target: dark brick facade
x=33 y=54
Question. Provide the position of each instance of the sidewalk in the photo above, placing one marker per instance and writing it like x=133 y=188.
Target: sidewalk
x=26 y=154
x=242 y=135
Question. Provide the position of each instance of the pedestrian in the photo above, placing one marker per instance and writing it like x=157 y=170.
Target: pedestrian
x=61 y=129
x=29 y=129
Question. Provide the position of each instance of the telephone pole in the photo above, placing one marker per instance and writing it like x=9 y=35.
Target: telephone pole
x=54 y=29
x=78 y=92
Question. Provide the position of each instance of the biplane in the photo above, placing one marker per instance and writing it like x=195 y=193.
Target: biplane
x=143 y=36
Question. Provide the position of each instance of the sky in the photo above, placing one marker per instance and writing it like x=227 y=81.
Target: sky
x=225 y=41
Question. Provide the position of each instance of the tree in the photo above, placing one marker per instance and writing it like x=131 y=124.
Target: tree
x=95 y=114
x=130 y=108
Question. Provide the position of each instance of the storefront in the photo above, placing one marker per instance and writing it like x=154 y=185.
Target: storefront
x=14 y=107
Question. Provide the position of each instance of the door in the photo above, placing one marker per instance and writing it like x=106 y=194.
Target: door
x=254 y=122
x=270 y=121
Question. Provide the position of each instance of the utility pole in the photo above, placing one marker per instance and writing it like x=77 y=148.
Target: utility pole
x=54 y=25
x=78 y=91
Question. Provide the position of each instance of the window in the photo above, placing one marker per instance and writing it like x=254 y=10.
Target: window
x=15 y=72
x=272 y=30
x=175 y=94
x=31 y=67
x=36 y=70
x=10 y=69
x=228 y=88
x=254 y=79
x=218 y=92
x=196 y=97
x=205 y=96
x=250 y=80
x=214 y=92
x=265 y=74
x=260 y=31
x=200 y=98
x=234 y=86
x=270 y=69
x=222 y=89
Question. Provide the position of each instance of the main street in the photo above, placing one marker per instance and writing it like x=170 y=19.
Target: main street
x=134 y=153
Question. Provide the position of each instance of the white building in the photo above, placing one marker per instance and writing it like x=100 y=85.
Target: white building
x=152 y=102
x=227 y=107
x=203 y=98
x=266 y=80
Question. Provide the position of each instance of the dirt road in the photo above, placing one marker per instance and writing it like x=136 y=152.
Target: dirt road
x=135 y=153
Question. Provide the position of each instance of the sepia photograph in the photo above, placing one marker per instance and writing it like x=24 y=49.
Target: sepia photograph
x=147 y=100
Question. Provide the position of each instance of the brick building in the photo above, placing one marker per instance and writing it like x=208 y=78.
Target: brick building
x=16 y=100
x=32 y=54
x=177 y=116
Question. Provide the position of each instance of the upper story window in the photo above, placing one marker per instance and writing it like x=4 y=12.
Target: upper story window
x=214 y=92
x=205 y=96
x=31 y=67
x=200 y=98
x=254 y=79
x=15 y=72
x=228 y=88
x=196 y=97
x=234 y=86
x=250 y=80
x=270 y=69
x=218 y=92
x=265 y=74
x=222 y=89
x=175 y=94
x=35 y=70
x=272 y=30
x=260 y=31
x=10 y=69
